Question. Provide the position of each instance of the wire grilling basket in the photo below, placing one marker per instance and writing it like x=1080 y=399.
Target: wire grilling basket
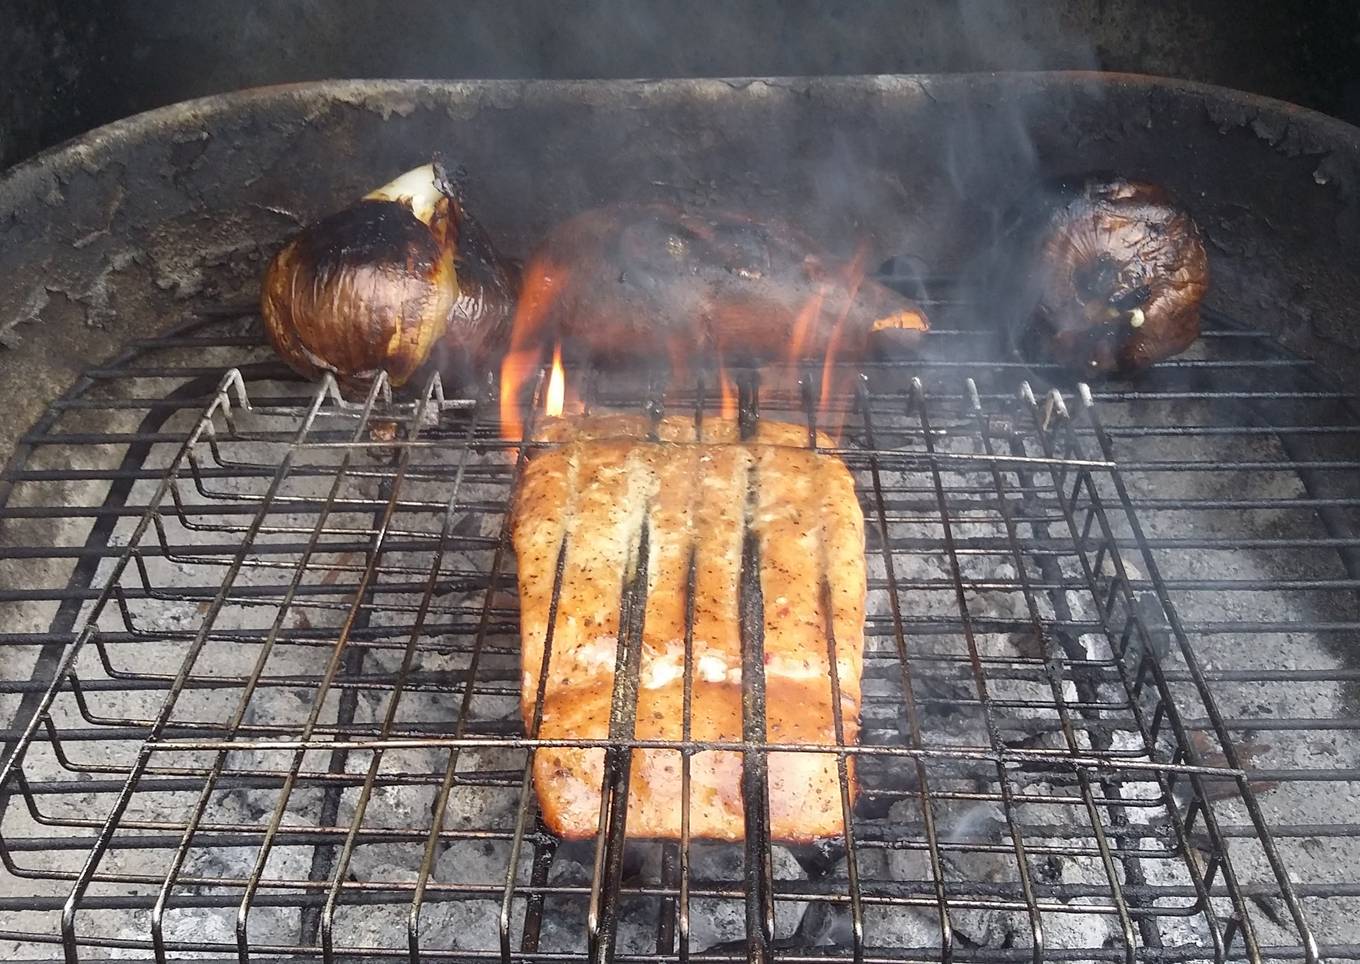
x=267 y=700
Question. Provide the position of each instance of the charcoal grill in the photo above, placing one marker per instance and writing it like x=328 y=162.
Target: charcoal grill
x=272 y=705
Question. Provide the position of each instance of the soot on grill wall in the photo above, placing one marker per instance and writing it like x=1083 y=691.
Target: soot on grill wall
x=68 y=66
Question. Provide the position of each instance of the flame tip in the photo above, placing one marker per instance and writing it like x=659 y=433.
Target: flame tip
x=529 y=336
x=728 y=389
x=557 y=386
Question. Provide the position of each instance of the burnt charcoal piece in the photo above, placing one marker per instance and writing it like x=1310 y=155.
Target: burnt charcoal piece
x=633 y=281
x=1107 y=275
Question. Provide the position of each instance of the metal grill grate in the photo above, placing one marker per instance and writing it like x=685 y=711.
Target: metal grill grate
x=268 y=684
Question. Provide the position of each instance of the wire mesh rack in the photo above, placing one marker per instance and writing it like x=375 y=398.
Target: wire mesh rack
x=260 y=653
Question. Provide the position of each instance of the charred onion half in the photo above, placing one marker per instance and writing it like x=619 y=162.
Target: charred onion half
x=399 y=277
x=1115 y=274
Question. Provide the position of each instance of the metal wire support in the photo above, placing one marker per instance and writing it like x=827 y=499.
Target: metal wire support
x=272 y=701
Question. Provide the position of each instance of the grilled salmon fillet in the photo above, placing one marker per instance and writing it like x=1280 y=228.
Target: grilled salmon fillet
x=671 y=428
x=593 y=495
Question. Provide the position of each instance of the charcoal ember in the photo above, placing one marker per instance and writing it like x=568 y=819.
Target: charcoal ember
x=255 y=777
x=636 y=929
x=1076 y=929
x=386 y=657
x=963 y=831
x=1178 y=929
x=285 y=861
x=392 y=862
x=1130 y=743
x=899 y=927
x=369 y=708
x=383 y=658
x=408 y=804
x=564 y=926
x=716 y=921
x=987 y=825
x=1013 y=673
x=1084 y=871
x=1043 y=813
x=1045 y=735
x=170 y=615
x=493 y=799
x=466 y=924
x=211 y=925
x=470 y=806
x=564 y=915
x=445 y=924
x=1082 y=607
x=481 y=861
x=406 y=784
x=985 y=926
x=217 y=925
x=713 y=922
x=282 y=708
x=1080 y=930
x=997 y=588
x=268 y=924
x=959 y=725
x=396 y=805
x=566 y=872
x=206 y=925
x=280 y=714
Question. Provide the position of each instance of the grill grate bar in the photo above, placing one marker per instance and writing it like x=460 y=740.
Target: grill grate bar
x=1053 y=667
x=916 y=740
x=1004 y=784
x=1021 y=707
x=104 y=838
x=1228 y=748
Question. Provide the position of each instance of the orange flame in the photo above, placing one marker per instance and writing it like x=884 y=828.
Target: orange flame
x=728 y=390
x=837 y=380
x=528 y=340
x=531 y=337
x=557 y=386
x=514 y=370
x=807 y=317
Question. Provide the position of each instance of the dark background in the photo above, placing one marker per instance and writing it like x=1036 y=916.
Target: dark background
x=69 y=65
